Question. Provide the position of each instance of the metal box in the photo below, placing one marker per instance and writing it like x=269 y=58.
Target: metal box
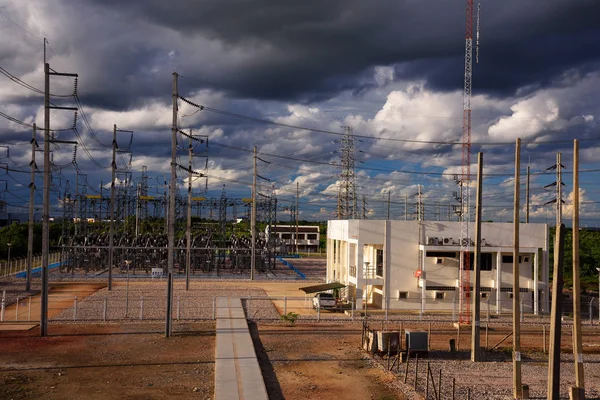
x=416 y=341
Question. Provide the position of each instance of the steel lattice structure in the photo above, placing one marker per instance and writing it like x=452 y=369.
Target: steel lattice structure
x=465 y=240
x=347 y=189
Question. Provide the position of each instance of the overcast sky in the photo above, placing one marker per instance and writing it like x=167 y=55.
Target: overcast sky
x=391 y=70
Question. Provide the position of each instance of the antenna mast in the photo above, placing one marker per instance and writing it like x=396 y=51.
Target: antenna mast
x=465 y=240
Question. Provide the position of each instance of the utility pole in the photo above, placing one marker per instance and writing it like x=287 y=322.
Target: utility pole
x=578 y=391
x=558 y=201
x=46 y=195
x=34 y=146
x=364 y=207
x=555 y=317
x=172 y=199
x=111 y=235
x=475 y=333
x=389 y=201
x=46 y=204
x=517 y=385
x=527 y=195
x=253 y=221
x=188 y=231
x=297 y=213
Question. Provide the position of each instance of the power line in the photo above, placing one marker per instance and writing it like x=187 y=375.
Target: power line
x=317 y=130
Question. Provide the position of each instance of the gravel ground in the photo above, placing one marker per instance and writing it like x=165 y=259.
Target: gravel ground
x=16 y=288
x=197 y=303
x=493 y=379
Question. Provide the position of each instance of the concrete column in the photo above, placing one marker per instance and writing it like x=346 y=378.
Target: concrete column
x=387 y=252
x=360 y=271
x=536 y=284
x=423 y=283
x=546 y=274
x=498 y=282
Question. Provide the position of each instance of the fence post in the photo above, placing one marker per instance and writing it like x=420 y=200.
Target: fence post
x=544 y=338
x=440 y=386
x=319 y=313
x=142 y=307
x=214 y=305
x=17 y=310
x=429 y=338
x=352 y=308
x=284 y=305
x=488 y=309
x=249 y=306
x=453 y=387
x=29 y=309
x=178 y=308
x=104 y=309
x=3 y=306
x=592 y=311
x=75 y=309
x=416 y=370
x=521 y=312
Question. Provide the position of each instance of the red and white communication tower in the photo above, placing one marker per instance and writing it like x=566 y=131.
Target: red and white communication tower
x=465 y=240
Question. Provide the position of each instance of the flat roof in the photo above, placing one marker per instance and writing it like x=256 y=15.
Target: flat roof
x=322 y=287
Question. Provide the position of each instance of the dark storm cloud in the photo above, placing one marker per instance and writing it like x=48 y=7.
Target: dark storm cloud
x=312 y=50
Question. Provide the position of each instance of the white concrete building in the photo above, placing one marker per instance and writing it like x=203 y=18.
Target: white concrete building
x=378 y=261
x=306 y=237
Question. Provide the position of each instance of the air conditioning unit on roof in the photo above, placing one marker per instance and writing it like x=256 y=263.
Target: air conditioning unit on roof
x=433 y=241
x=447 y=241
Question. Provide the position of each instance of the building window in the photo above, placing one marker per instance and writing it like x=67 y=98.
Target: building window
x=440 y=295
x=379 y=263
x=402 y=295
x=312 y=236
x=441 y=254
x=507 y=259
x=484 y=295
x=353 y=271
x=286 y=236
x=526 y=259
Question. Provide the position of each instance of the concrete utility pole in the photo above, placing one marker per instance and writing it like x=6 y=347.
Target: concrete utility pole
x=34 y=146
x=46 y=205
x=172 y=200
x=555 y=317
x=517 y=385
x=46 y=195
x=389 y=201
x=253 y=221
x=577 y=391
x=558 y=190
x=188 y=230
x=111 y=234
x=475 y=332
x=527 y=195
x=297 y=213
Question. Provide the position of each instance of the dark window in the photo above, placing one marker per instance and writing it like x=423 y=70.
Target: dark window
x=312 y=236
x=286 y=236
x=507 y=259
x=402 y=295
x=440 y=254
x=439 y=295
x=486 y=261
x=526 y=259
x=379 y=269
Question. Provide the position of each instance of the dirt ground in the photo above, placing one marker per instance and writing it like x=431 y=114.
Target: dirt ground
x=127 y=361
x=319 y=361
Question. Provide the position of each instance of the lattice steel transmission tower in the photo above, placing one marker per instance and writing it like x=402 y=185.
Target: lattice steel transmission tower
x=347 y=189
x=465 y=240
x=143 y=194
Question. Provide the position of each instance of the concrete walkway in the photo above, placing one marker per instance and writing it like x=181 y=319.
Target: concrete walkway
x=237 y=373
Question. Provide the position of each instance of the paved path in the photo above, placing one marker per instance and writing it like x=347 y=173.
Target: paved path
x=237 y=373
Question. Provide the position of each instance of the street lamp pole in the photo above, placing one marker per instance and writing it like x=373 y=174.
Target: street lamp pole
x=598 y=269
x=366 y=277
x=9 y=245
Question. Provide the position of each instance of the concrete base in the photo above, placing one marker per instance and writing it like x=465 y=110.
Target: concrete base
x=461 y=326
